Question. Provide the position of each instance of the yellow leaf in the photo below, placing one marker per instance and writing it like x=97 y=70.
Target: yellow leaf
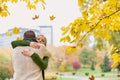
x=103 y=34
x=80 y=2
x=19 y=38
x=85 y=14
x=68 y=38
x=71 y=49
x=85 y=27
x=52 y=18
x=14 y=1
x=80 y=45
x=4 y=1
x=36 y=1
x=114 y=65
x=5 y=7
x=42 y=1
x=16 y=30
x=64 y=39
x=8 y=34
x=4 y=14
x=115 y=56
x=31 y=6
x=65 y=30
x=116 y=59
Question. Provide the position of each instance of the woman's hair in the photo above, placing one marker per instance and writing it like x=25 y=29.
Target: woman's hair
x=29 y=34
x=44 y=39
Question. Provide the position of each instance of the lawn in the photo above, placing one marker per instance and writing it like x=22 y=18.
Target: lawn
x=96 y=72
x=81 y=74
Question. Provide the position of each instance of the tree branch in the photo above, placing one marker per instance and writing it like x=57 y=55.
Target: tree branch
x=97 y=24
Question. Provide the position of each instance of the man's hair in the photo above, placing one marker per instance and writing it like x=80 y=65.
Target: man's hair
x=29 y=34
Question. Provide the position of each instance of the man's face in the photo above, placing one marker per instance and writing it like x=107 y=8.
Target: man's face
x=41 y=39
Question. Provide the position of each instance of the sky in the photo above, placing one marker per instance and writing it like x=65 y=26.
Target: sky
x=65 y=12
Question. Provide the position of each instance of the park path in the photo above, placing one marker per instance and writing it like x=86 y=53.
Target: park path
x=74 y=77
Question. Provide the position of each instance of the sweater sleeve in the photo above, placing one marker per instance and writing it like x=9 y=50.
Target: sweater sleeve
x=20 y=43
x=41 y=63
x=35 y=57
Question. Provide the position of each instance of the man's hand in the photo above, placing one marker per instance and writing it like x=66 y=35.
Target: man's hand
x=34 y=45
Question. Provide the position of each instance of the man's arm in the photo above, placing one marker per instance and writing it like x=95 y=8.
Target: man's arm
x=35 y=57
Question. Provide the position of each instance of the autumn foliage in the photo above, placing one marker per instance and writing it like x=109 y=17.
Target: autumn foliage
x=98 y=20
x=31 y=4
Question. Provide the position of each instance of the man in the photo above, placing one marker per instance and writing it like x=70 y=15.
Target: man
x=24 y=67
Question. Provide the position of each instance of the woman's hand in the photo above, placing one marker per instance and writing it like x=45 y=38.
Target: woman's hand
x=27 y=52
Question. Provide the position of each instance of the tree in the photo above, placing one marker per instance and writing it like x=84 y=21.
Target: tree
x=105 y=66
x=115 y=41
x=87 y=57
x=31 y=4
x=92 y=66
x=99 y=18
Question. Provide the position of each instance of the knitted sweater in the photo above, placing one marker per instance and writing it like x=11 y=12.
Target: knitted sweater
x=35 y=57
x=24 y=67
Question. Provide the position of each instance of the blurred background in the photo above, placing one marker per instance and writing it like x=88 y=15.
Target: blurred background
x=90 y=61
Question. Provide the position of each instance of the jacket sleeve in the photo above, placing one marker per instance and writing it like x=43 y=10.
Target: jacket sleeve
x=20 y=43
x=41 y=63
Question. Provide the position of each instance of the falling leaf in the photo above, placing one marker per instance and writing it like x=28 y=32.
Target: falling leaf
x=8 y=34
x=35 y=17
x=16 y=30
x=52 y=18
x=92 y=78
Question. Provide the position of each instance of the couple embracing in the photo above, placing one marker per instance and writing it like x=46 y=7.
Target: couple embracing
x=30 y=57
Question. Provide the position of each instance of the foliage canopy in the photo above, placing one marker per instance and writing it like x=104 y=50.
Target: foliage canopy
x=99 y=18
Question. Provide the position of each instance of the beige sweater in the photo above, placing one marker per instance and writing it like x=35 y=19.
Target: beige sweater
x=24 y=67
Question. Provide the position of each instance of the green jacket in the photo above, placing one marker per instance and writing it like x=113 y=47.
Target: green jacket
x=42 y=63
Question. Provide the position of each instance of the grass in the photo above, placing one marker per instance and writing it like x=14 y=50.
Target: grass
x=97 y=73
x=3 y=59
x=64 y=79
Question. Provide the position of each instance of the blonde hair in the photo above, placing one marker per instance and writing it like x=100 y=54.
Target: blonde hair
x=44 y=38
